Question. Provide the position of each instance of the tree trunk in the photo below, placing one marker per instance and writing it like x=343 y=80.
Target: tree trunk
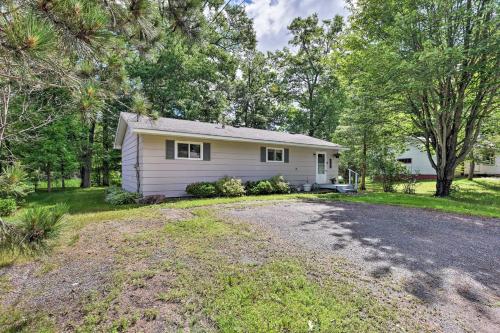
x=106 y=144
x=49 y=180
x=443 y=186
x=63 y=184
x=81 y=175
x=363 y=165
x=87 y=157
x=472 y=166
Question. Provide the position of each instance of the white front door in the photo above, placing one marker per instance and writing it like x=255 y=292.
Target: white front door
x=321 y=168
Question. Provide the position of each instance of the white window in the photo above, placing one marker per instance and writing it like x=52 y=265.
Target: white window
x=189 y=150
x=274 y=154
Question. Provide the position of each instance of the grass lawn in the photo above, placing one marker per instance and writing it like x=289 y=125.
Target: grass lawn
x=209 y=273
x=479 y=197
x=197 y=271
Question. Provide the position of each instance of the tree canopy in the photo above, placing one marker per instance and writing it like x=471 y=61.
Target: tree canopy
x=392 y=69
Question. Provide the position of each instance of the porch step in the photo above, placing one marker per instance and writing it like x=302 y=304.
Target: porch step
x=342 y=188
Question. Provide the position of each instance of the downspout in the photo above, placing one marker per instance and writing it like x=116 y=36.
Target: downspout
x=137 y=165
x=137 y=168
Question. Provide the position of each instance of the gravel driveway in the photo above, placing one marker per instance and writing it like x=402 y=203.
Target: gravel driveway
x=449 y=262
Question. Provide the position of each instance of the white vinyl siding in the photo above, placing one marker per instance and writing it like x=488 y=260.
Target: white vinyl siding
x=234 y=159
x=129 y=158
x=419 y=162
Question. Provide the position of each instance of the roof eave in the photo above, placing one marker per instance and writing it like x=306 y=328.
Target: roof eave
x=226 y=138
x=120 y=132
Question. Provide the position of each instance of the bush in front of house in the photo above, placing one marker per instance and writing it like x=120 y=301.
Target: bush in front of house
x=7 y=207
x=229 y=187
x=202 y=189
x=409 y=182
x=259 y=187
x=276 y=184
x=232 y=187
x=280 y=185
x=116 y=196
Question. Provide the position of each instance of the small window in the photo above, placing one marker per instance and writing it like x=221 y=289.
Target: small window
x=189 y=150
x=405 y=160
x=487 y=157
x=275 y=154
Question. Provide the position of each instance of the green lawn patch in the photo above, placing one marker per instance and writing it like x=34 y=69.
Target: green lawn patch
x=281 y=294
x=480 y=197
x=280 y=297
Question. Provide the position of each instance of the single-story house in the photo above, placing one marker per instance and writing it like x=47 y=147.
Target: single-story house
x=416 y=160
x=487 y=166
x=164 y=155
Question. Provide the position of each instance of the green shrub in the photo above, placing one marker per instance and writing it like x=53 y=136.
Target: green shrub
x=387 y=169
x=202 y=189
x=14 y=182
x=230 y=187
x=35 y=227
x=41 y=223
x=259 y=187
x=116 y=196
x=409 y=182
x=280 y=185
x=7 y=207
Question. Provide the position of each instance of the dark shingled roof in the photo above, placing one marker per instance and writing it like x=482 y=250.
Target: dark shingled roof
x=216 y=130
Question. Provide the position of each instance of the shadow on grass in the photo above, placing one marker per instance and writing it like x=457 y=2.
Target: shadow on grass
x=487 y=185
x=80 y=201
x=433 y=247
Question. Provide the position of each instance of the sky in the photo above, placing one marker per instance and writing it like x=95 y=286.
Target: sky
x=271 y=17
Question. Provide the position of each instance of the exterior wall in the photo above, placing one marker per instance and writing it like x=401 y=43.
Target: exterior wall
x=129 y=151
x=484 y=169
x=236 y=159
x=420 y=163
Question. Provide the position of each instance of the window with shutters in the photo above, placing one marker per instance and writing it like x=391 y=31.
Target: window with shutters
x=274 y=154
x=189 y=150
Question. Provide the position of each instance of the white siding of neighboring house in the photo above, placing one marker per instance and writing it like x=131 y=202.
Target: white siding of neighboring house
x=420 y=163
x=236 y=159
x=129 y=157
x=485 y=169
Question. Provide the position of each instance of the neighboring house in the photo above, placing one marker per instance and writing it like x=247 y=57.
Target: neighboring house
x=416 y=160
x=487 y=166
x=163 y=156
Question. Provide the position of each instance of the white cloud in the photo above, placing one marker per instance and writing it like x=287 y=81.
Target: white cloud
x=271 y=17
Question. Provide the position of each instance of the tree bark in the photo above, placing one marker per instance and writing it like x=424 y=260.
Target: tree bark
x=87 y=157
x=63 y=184
x=472 y=166
x=106 y=144
x=49 y=179
x=363 y=165
x=443 y=186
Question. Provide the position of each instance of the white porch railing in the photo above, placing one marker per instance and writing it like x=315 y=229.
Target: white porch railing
x=353 y=175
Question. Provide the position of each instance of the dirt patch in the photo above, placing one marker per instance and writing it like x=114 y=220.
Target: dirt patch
x=65 y=282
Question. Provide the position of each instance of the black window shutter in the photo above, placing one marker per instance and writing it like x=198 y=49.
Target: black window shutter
x=330 y=163
x=170 y=150
x=206 y=151
x=287 y=155
x=262 y=154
